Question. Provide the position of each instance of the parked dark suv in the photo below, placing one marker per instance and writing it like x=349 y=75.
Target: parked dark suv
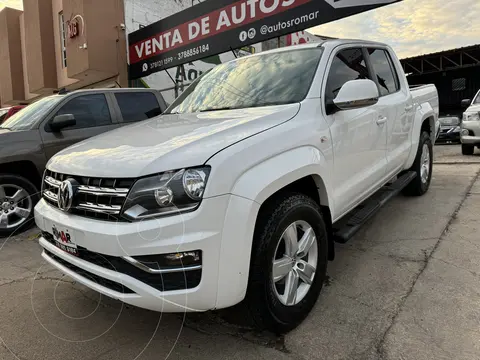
x=32 y=136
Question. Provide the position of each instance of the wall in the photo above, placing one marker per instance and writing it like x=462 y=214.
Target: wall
x=12 y=88
x=28 y=95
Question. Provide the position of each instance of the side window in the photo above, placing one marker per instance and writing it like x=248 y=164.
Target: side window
x=137 y=106
x=89 y=111
x=384 y=71
x=347 y=65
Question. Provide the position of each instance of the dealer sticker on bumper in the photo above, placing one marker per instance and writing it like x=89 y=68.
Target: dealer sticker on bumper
x=64 y=240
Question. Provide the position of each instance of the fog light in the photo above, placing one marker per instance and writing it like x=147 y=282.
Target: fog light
x=169 y=261
x=184 y=258
x=465 y=132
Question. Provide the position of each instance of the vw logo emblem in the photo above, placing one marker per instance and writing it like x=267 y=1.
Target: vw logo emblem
x=65 y=194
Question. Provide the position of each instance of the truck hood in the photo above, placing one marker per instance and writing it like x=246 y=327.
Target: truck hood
x=167 y=142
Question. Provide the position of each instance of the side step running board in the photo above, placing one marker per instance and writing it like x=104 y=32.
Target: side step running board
x=349 y=226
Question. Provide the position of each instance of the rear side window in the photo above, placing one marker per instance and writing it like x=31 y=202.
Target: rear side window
x=347 y=65
x=137 y=106
x=386 y=75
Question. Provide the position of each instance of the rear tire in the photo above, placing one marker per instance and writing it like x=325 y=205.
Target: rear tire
x=423 y=166
x=468 y=149
x=267 y=305
x=16 y=212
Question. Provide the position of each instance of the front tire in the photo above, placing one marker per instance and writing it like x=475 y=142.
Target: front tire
x=423 y=166
x=288 y=264
x=18 y=197
x=468 y=149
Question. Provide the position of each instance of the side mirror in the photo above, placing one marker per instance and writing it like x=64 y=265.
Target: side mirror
x=60 y=122
x=466 y=103
x=356 y=94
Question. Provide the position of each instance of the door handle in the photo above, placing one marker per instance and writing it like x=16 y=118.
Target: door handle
x=381 y=120
x=408 y=108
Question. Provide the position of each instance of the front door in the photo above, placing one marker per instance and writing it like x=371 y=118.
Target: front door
x=359 y=138
x=93 y=116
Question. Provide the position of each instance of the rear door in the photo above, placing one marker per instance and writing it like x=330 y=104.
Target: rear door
x=93 y=114
x=395 y=107
x=134 y=106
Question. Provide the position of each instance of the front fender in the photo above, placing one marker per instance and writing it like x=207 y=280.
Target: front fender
x=273 y=174
x=424 y=112
x=251 y=190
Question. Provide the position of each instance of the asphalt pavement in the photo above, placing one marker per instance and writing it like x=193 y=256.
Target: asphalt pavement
x=406 y=287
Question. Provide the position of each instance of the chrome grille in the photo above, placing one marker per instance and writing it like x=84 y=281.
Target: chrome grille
x=98 y=198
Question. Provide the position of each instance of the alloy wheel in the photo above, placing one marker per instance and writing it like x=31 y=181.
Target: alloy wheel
x=425 y=164
x=295 y=263
x=15 y=206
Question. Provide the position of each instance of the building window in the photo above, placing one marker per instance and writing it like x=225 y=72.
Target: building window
x=63 y=39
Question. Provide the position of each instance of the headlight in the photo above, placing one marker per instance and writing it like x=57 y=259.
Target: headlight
x=169 y=193
x=471 y=117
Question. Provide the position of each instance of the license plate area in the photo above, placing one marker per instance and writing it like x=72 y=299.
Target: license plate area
x=64 y=239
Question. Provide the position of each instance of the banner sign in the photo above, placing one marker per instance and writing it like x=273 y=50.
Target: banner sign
x=216 y=26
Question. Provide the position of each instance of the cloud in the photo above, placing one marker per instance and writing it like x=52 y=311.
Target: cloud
x=413 y=27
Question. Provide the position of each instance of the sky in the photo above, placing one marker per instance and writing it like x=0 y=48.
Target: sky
x=412 y=27
x=11 y=3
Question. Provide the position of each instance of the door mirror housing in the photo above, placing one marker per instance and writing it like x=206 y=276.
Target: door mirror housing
x=356 y=94
x=60 y=122
x=466 y=103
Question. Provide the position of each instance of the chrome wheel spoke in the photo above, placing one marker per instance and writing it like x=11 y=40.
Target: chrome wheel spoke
x=306 y=243
x=306 y=272
x=294 y=263
x=291 y=287
x=19 y=195
x=2 y=193
x=281 y=268
x=3 y=221
x=23 y=213
x=291 y=240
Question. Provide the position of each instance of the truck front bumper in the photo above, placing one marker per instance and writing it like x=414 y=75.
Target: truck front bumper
x=473 y=135
x=103 y=247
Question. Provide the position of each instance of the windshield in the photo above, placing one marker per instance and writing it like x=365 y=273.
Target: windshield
x=28 y=117
x=269 y=79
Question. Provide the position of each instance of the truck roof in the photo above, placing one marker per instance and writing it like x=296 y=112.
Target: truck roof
x=330 y=42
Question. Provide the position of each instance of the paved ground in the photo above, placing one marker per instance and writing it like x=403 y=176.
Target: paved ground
x=406 y=287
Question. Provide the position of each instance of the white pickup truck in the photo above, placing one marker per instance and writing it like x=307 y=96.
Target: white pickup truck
x=237 y=193
x=470 y=133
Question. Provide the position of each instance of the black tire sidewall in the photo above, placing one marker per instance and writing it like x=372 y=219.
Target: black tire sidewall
x=417 y=187
x=276 y=316
x=33 y=192
x=425 y=139
x=468 y=149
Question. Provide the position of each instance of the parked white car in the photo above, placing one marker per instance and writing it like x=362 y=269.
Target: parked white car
x=240 y=189
x=470 y=134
